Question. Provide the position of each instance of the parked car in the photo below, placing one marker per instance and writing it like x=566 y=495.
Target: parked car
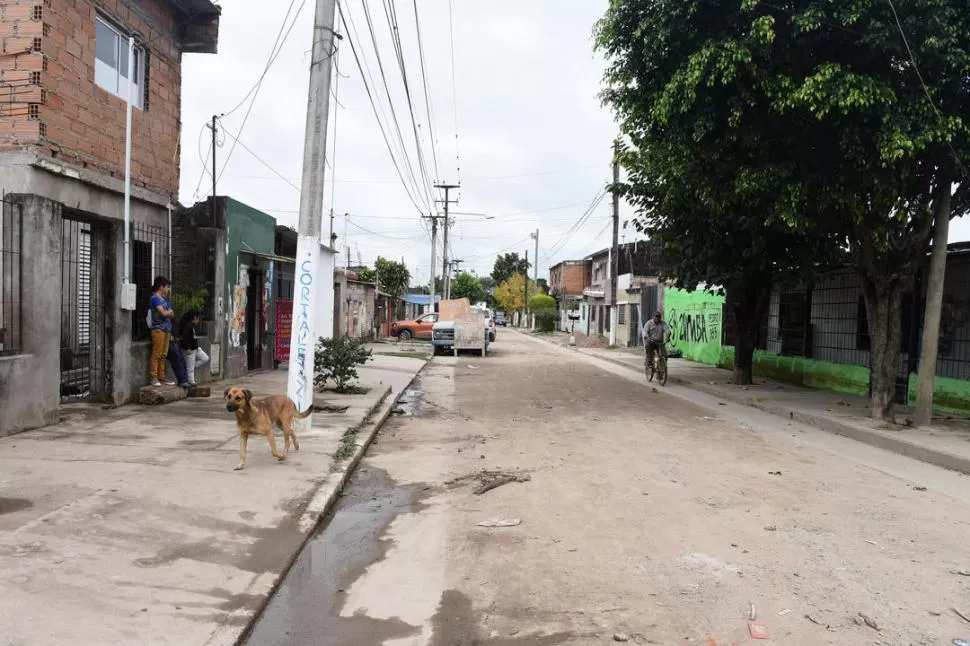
x=500 y=319
x=419 y=328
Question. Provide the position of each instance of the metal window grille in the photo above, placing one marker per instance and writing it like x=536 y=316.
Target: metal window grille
x=149 y=258
x=621 y=315
x=11 y=292
x=84 y=322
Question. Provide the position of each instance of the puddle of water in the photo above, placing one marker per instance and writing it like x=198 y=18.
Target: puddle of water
x=306 y=607
x=410 y=403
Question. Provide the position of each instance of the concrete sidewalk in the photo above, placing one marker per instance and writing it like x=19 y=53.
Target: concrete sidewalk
x=129 y=526
x=945 y=443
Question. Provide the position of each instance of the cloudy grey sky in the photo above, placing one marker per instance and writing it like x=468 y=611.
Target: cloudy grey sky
x=533 y=142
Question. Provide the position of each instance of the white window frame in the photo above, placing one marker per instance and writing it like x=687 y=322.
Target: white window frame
x=112 y=76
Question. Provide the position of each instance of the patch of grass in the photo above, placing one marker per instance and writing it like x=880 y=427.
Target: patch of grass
x=348 y=443
x=352 y=390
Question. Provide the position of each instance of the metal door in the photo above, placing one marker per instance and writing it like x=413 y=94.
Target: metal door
x=84 y=355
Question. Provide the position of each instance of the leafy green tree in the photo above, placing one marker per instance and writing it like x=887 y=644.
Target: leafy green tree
x=464 y=285
x=366 y=274
x=808 y=118
x=704 y=188
x=508 y=265
x=392 y=277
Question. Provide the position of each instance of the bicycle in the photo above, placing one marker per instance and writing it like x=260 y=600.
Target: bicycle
x=660 y=370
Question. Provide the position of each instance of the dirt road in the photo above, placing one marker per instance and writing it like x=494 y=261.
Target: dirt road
x=646 y=517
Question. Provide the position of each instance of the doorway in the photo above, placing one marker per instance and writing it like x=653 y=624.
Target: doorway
x=255 y=319
x=84 y=332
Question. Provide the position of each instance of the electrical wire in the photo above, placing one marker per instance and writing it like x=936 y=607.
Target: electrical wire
x=236 y=140
x=454 y=87
x=390 y=101
x=374 y=107
x=391 y=13
x=427 y=93
x=926 y=90
x=259 y=83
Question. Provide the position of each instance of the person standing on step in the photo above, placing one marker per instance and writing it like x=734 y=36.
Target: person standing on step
x=189 y=333
x=160 y=317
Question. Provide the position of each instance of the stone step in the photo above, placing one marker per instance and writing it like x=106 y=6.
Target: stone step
x=158 y=395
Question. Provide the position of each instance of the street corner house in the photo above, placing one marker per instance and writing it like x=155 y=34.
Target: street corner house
x=62 y=172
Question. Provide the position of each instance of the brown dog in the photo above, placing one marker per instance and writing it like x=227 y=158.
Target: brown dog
x=259 y=417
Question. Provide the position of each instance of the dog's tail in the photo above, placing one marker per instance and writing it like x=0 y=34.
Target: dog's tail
x=305 y=413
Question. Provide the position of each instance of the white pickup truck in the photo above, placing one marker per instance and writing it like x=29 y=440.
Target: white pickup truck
x=468 y=331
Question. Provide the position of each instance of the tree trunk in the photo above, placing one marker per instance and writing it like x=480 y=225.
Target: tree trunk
x=883 y=301
x=748 y=309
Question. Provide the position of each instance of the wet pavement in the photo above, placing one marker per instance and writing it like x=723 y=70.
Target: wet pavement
x=306 y=609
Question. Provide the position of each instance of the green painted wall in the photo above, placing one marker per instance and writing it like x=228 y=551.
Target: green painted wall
x=950 y=395
x=249 y=230
x=695 y=322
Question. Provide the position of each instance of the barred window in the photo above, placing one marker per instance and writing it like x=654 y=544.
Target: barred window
x=10 y=276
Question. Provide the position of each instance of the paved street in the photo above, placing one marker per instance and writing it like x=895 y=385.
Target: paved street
x=659 y=515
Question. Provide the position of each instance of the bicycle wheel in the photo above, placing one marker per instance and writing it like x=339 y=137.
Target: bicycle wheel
x=662 y=370
x=648 y=368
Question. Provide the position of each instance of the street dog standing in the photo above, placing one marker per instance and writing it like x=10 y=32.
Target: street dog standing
x=259 y=417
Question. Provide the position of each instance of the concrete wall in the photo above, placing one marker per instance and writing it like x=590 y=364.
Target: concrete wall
x=323 y=324
x=30 y=381
x=695 y=322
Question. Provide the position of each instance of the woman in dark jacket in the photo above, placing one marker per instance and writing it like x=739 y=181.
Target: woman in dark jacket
x=189 y=342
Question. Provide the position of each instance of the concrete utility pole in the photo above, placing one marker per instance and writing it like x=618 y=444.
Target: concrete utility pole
x=213 y=127
x=614 y=248
x=303 y=340
x=934 y=305
x=445 y=283
x=434 y=244
x=535 y=269
x=525 y=306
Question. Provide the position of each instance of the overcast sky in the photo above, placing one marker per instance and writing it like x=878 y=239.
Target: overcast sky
x=533 y=142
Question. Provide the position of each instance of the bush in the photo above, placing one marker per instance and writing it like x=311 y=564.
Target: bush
x=337 y=359
x=542 y=302
x=546 y=319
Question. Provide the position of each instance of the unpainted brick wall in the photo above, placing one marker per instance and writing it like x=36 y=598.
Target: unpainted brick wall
x=62 y=113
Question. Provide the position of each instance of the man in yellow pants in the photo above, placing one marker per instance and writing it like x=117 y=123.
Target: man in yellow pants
x=161 y=325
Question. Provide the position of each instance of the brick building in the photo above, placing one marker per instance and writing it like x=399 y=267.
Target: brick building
x=63 y=93
x=566 y=283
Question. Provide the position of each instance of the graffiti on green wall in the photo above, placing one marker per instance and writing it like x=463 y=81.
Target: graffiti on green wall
x=695 y=324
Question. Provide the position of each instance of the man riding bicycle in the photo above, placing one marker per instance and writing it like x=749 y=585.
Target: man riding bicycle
x=656 y=334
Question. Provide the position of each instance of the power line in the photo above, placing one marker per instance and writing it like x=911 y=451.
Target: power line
x=427 y=92
x=274 y=52
x=926 y=90
x=374 y=107
x=390 y=102
x=278 y=47
x=391 y=13
x=454 y=85
x=236 y=140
